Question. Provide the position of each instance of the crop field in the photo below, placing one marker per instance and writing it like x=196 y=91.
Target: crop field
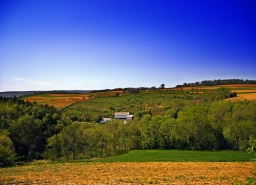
x=58 y=100
x=129 y=173
x=180 y=156
x=246 y=96
x=140 y=167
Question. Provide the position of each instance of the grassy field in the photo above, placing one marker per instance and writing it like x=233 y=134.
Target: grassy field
x=180 y=156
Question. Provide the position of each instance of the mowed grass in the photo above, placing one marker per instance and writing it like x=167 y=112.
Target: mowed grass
x=180 y=156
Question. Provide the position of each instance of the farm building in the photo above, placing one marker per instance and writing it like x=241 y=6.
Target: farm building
x=105 y=120
x=129 y=117
x=123 y=115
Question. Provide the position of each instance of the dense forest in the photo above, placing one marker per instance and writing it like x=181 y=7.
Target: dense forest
x=25 y=128
x=30 y=131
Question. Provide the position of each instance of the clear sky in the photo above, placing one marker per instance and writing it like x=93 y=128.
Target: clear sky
x=100 y=44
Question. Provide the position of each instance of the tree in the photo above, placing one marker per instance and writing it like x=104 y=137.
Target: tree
x=252 y=149
x=162 y=86
x=7 y=153
x=168 y=133
x=147 y=133
x=240 y=124
x=54 y=148
x=196 y=129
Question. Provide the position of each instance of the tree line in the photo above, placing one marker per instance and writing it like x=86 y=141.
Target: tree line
x=217 y=82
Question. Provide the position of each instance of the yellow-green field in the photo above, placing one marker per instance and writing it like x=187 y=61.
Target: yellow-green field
x=244 y=92
x=129 y=173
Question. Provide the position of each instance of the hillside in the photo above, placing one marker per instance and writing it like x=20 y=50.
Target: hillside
x=61 y=100
x=155 y=102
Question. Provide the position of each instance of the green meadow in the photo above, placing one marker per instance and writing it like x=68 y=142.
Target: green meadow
x=179 y=156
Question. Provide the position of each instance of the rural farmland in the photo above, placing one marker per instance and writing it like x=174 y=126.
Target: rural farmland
x=127 y=92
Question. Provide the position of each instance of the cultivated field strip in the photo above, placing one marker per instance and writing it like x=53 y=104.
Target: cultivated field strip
x=129 y=173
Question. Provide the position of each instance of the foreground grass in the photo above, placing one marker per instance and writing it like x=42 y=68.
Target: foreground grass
x=180 y=156
x=129 y=173
x=140 y=167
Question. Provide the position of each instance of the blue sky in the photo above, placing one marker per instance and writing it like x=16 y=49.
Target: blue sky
x=99 y=44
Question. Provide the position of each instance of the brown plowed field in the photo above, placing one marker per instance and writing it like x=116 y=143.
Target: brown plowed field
x=129 y=173
x=242 y=97
x=58 y=100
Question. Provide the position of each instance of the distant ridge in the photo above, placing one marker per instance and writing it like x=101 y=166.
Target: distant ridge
x=25 y=93
x=202 y=83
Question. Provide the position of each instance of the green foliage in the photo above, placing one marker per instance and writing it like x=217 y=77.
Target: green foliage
x=29 y=125
x=7 y=153
x=252 y=145
x=197 y=131
x=251 y=149
x=83 y=141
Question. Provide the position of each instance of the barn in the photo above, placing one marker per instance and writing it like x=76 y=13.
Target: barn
x=129 y=117
x=123 y=115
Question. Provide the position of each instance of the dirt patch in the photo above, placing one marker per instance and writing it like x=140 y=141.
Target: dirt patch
x=130 y=173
